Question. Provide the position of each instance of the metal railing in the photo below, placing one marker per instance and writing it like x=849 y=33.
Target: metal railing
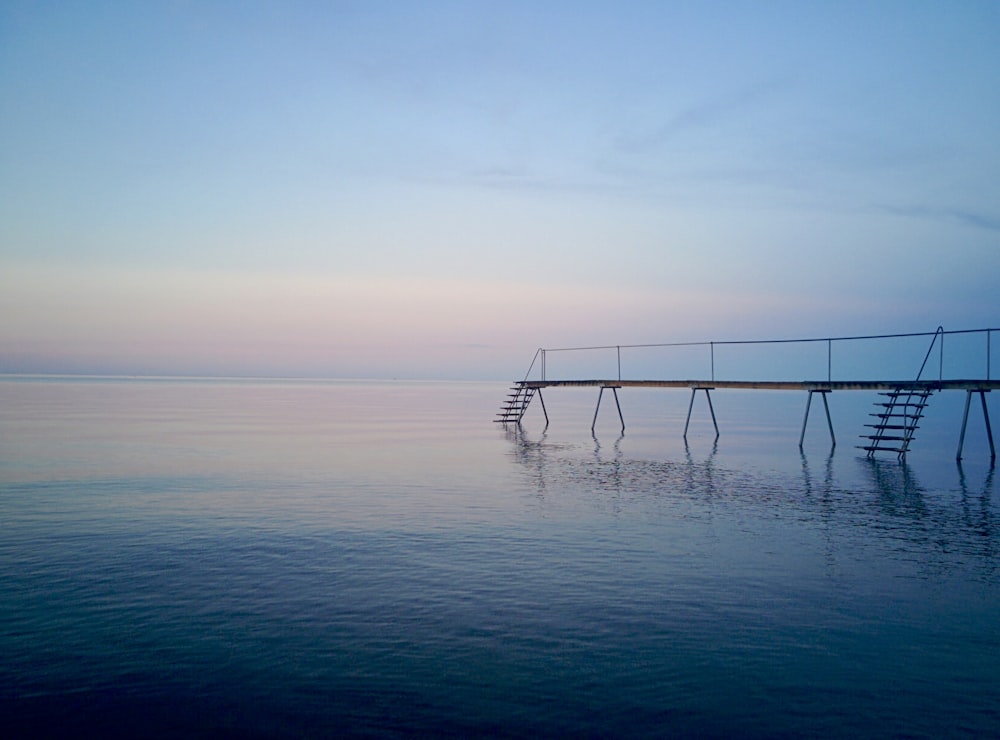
x=938 y=338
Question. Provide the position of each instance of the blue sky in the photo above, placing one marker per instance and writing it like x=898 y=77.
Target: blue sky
x=436 y=189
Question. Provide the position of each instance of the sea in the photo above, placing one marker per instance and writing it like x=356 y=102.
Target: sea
x=314 y=558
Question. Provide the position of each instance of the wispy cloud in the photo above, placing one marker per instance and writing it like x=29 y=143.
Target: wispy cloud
x=705 y=115
x=975 y=219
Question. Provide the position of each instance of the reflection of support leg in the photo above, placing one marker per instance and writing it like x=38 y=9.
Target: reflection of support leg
x=965 y=422
x=542 y=401
x=710 y=409
x=620 y=417
x=594 y=424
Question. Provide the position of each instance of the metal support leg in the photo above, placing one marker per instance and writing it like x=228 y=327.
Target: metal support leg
x=599 y=394
x=965 y=422
x=829 y=420
x=620 y=417
x=690 y=406
x=542 y=401
x=710 y=408
x=986 y=418
x=989 y=431
x=614 y=390
x=805 y=419
x=712 y=411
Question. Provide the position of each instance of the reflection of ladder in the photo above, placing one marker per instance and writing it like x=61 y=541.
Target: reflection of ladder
x=897 y=420
x=516 y=404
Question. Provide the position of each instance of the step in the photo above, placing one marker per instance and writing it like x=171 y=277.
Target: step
x=887 y=437
x=893 y=426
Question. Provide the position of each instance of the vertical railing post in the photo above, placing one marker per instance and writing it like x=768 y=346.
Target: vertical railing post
x=543 y=364
x=941 y=359
x=619 y=348
x=988 y=333
x=829 y=360
x=712 y=351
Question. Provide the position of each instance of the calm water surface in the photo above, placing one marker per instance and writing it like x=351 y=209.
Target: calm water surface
x=265 y=558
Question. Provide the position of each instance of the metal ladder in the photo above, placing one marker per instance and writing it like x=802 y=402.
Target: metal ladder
x=516 y=404
x=897 y=421
x=905 y=407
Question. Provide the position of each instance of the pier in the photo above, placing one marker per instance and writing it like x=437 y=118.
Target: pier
x=898 y=408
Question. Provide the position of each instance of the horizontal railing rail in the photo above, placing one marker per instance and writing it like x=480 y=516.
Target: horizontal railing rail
x=540 y=359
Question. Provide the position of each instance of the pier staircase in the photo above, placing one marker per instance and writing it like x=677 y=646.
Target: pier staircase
x=897 y=420
x=516 y=404
x=899 y=414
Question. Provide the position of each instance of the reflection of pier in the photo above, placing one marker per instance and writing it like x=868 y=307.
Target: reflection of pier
x=839 y=499
x=897 y=414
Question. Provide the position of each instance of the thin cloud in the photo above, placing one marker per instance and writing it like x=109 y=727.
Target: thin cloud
x=705 y=115
x=978 y=220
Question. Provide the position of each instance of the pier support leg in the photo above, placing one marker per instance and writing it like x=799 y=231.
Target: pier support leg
x=613 y=389
x=829 y=420
x=622 y=418
x=690 y=406
x=965 y=423
x=601 y=393
x=989 y=431
x=542 y=401
x=710 y=409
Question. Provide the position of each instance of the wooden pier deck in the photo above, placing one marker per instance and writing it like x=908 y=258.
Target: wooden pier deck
x=777 y=385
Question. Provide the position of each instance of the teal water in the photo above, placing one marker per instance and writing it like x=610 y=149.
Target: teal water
x=268 y=558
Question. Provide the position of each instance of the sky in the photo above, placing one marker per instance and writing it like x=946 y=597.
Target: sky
x=436 y=189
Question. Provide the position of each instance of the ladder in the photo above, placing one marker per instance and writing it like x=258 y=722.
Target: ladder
x=897 y=420
x=516 y=404
x=898 y=416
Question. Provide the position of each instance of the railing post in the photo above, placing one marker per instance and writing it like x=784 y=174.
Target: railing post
x=712 y=350
x=619 y=348
x=941 y=358
x=988 y=333
x=543 y=364
x=829 y=360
